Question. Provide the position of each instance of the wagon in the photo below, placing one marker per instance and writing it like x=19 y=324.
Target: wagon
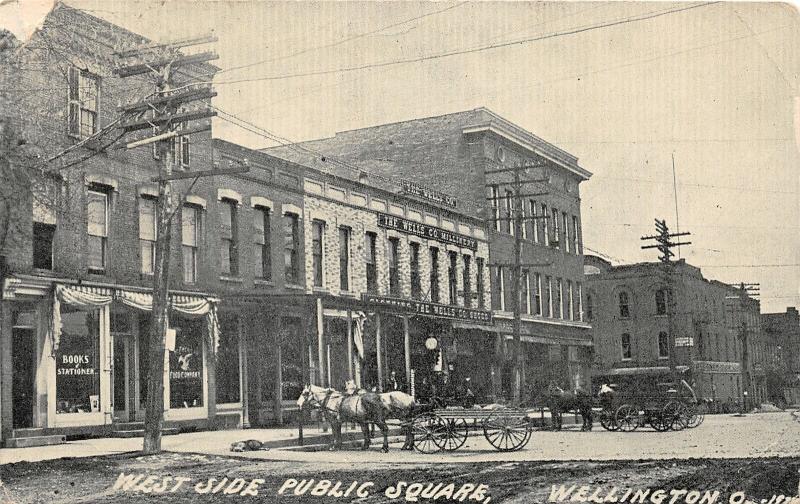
x=446 y=429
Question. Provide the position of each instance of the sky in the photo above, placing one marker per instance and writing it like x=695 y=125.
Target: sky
x=714 y=86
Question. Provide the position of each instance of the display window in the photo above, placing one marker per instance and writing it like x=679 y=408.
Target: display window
x=78 y=362
x=186 y=363
x=228 y=390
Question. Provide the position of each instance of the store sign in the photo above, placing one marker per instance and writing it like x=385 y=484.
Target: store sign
x=185 y=364
x=717 y=367
x=425 y=308
x=427 y=193
x=424 y=231
x=75 y=365
x=684 y=341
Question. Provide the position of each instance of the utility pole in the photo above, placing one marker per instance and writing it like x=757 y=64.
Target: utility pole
x=665 y=246
x=517 y=220
x=745 y=292
x=163 y=112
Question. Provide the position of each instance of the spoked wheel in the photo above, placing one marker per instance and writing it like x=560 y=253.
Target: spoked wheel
x=627 y=418
x=696 y=415
x=608 y=421
x=658 y=421
x=507 y=433
x=429 y=432
x=676 y=415
x=457 y=432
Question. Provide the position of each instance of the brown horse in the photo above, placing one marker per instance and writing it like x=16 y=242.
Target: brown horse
x=398 y=405
x=560 y=402
x=337 y=408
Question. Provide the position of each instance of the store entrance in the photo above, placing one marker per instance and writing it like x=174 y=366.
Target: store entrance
x=121 y=372
x=23 y=349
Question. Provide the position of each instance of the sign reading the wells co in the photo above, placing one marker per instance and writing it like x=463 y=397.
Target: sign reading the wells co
x=426 y=308
x=425 y=231
x=428 y=194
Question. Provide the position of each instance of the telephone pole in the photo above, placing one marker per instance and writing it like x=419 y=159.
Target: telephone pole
x=162 y=113
x=664 y=244
x=517 y=219
x=746 y=290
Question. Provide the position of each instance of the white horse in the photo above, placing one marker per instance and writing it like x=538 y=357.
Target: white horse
x=398 y=405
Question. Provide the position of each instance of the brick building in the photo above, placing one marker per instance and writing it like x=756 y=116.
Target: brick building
x=456 y=154
x=782 y=347
x=627 y=306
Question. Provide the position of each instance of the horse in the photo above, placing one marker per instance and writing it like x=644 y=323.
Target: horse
x=398 y=405
x=559 y=402
x=338 y=408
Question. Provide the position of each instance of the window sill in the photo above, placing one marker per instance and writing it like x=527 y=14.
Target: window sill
x=320 y=290
x=146 y=276
x=294 y=286
x=261 y=281
x=230 y=279
x=348 y=294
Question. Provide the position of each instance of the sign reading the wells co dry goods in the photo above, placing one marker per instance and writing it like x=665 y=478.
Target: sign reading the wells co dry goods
x=425 y=308
x=425 y=231
x=427 y=193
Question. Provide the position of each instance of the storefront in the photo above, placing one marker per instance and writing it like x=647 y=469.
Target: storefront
x=83 y=354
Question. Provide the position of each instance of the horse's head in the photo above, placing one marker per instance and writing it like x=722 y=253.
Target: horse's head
x=305 y=395
x=606 y=390
x=312 y=396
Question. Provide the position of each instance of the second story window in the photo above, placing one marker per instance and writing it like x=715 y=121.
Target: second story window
x=509 y=223
x=479 y=281
x=534 y=222
x=317 y=251
x=565 y=221
x=43 y=234
x=576 y=235
x=291 y=244
x=589 y=307
x=97 y=230
x=545 y=226
x=495 y=200
x=661 y=302
x=147 y=234
x=83 y=99
x=416 y=283
x=627 y=351
x=180 y=148
x=434 y=274
x=526 y=291
x=344 y=258
x=537 y=293
x=371 y=262
x=556 y=229
x=549 y=297
x=189 y=233
x=451 y=277
x=229 y=249
x=467 y=281
x=560 y=297
x=624 y=305
x=499 y=288
x=262 y=256
x=394 y=266
x=570 y=301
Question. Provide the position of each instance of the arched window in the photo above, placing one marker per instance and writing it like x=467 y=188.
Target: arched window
x=661 y=302
x=624 y=305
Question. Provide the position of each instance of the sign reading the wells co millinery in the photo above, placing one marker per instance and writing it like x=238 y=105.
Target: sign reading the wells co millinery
x=425 y=308
x=425 y=231
x=427 y=193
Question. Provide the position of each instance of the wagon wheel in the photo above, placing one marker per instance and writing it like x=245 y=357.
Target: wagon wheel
x=627 y=418
x=456 y=434
x=429 y=432
x=676 y=415
x=608 y=421
x=506 y=432
x=658 y=420
x=696 y=415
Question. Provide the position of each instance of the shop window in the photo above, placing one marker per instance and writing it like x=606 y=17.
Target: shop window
x=291 y=244
x=344 y=258
x=317 y=250
x=394 y=267
x=190 y=218
x=451 y=277
x=262 y=256
x=467 y=280
x=230 y=240
x=186 y=363
x=416 y=283
x=371 y=262
x=663 y=345
x=479 y=281
x=627 y=352
x=434 y=274
x=147 y=234
x=228 y=390
x=144 y=356
x=292 y=348
x=43 y=245
x=624 y=305
x=661 y=302
x=78 y=362
x=97 y=229
x=83 y=98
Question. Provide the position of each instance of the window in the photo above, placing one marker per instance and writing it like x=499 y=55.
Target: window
x=78 y=361
x=509 y=199
x=43 y=245
x=479 y=280
x=344 y=258
x=566 y=231
x=451 y=277
x=291 y=243
x=589 y=307
x=180 y=147
x=661 y=302
x=416 y=283
x=147 y=234
x=372 y=264
x=230 y=241
x=626 y=346
x=495 y=195
x=227 y=379
x=576 y=235
x=262 y=255
x=189 y=226
x=663 y=345
x=467 y=281
x=434 y=274
x=394 y=266
x=534 y=222
x=317 y=249
x=549 y=297
x=560 y=297
x=580 y=301
x=624 y=305
x=186 y=363
x=97 y=228
x=500 y=283
x=570 y=301
x=556 y=230
x=526 y=291
x=83 y=98
x=546 y=226
x=537 y=293
x=524 y=221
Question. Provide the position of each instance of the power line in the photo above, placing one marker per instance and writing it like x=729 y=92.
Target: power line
x=572 y=31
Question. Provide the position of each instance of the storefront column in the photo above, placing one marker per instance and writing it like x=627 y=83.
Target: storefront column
x=350 y=344
x=243 y=378
x=407 y=349
x=6 y=391
x=321 y=344
x=379 y=351
x=278 y=326
x=211 y=385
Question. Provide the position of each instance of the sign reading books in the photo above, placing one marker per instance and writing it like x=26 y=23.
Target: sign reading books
x=425 y=231
x=427 y=193
x=426 y=308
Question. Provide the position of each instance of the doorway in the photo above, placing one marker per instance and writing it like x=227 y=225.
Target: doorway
x=24 y=382
x=121 y=372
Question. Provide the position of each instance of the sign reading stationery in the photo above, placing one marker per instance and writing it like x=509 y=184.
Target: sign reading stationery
x=425 y=231
x=428 y=194
x=425 y=308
